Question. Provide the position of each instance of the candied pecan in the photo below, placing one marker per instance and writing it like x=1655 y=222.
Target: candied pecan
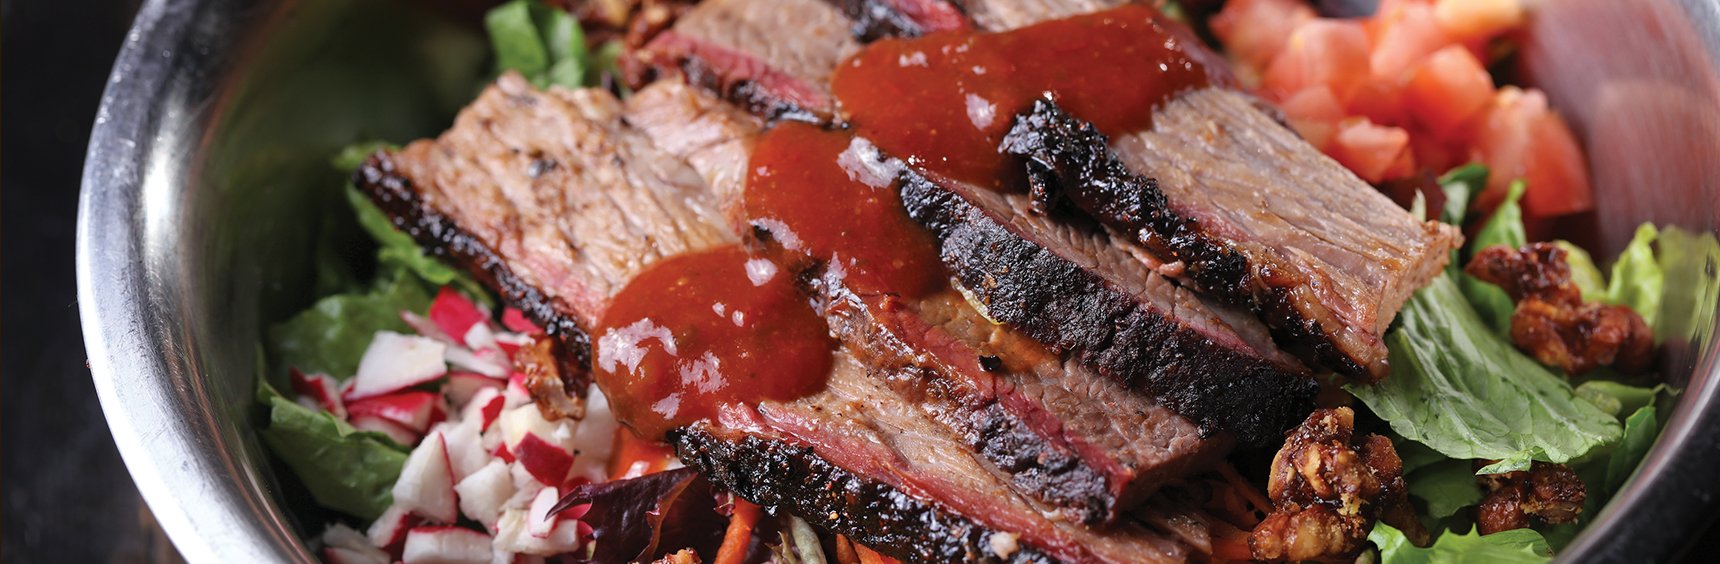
x=1327 y=488
x=548 y=380
x=1552 y=322
x=1551 y=493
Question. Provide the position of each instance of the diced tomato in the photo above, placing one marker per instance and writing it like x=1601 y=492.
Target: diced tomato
x=1447 y=89
x=1471 y=21
x=629 y=450
x=1254 y=31
x=1371 y=151
x=1381 y=101
x=1314 y=112
x=1328 y=52
x=1520 y=138
x=1402 y=37
x=1557 y=174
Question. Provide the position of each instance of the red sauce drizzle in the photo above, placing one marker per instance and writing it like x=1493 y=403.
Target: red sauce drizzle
x=944 y=101
x=699 y=331
x=820 y=202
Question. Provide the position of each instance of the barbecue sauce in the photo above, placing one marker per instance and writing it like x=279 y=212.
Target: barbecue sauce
x=696 y=332
x=944 y=101
x=816 y=193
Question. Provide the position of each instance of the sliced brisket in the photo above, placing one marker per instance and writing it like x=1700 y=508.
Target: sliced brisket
x=1004 y=15
x=556 y=201
x=877 y=19
x=1255 y=215
x=772 y=56
x=1058 y=430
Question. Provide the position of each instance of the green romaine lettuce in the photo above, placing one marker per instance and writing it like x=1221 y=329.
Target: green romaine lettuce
x=345 y=469
x=1505 y=227
x=1690 y=263
x=1446 y=487
x=1464 y=391
x=542 y=43
x=1506 y=547
x=330 y=337
x=1584 y=273
x=1637 y=280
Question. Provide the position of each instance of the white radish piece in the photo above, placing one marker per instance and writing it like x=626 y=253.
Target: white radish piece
x=539 y=521
x=394 y=362
x=391 y=527
x=446 y=545
x=426 y=484
x=485 y=492
x=411 y=409
x=377 y=424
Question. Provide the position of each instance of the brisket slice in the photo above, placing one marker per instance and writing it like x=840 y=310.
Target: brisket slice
x=614 y=203
x=860 y=460
x=1004 y=15
x=1070 y=288
x=1255 y=215
x=773 y=57
x=491 y=196
x=1057 y=429
x=877 y=19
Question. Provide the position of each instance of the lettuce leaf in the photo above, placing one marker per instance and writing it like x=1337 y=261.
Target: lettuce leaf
x=1584 y=273
x=1637 y=280
x=397 y=250
x=542 y=43
x=1506 y=547
x=345 y=469
x=1690 y=263
x=330 y=337
x=1505 y=227
x=1446 y=487
x=1464 y=391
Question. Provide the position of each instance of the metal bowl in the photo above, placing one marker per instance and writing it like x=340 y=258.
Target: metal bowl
x=208 y=166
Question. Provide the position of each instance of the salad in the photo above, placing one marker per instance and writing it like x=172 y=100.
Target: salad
x=407 y=401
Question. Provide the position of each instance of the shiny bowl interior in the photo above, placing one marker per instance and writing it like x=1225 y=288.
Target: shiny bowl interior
x=208 y=167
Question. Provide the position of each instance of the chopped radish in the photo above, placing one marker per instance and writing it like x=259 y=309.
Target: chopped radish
x=391 y=527
x=539 y=521
x=1448 y=89
x=485 y=406
x=395 y=362
x=502 y=453
x=426 y=483
x=340 y=555
x=425 y=327
x=526 y=486
x=544 y=460
x=466 y=452
x=454 y=313
x=463 y=386
x=480 y=337
x=351 y=546
x=517 y=394
x=594 y=438
x=515 y=320
x=484 y=492
x=411 y=409
x=446 y=545
x=489 y=362
x=377 y=424
x=321 y=389
x=510 y=343
x=513 y=537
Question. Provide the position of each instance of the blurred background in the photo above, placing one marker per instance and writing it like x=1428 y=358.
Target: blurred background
x=67 y=497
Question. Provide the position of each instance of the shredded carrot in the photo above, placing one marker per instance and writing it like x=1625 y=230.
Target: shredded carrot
x=1248 y=491
x=629 y=450
x=739 y=535
x=868 y=556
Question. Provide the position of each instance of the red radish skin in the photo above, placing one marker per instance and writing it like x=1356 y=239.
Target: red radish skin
x=446 y=545
x=502 y=453
x=515 y=320
x=377 y=424
x=454 y=313
x=546 y=462
x=390 y=529
x=412 y=409
x=338 y=555
x=320 y=388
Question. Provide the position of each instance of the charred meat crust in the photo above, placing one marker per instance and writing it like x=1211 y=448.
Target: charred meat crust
x=1070 y=161
x=785 y=477
x=714 y=71
x=1034 y=463
x=1074 y=311
x=442 y=237
x=878 y=19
